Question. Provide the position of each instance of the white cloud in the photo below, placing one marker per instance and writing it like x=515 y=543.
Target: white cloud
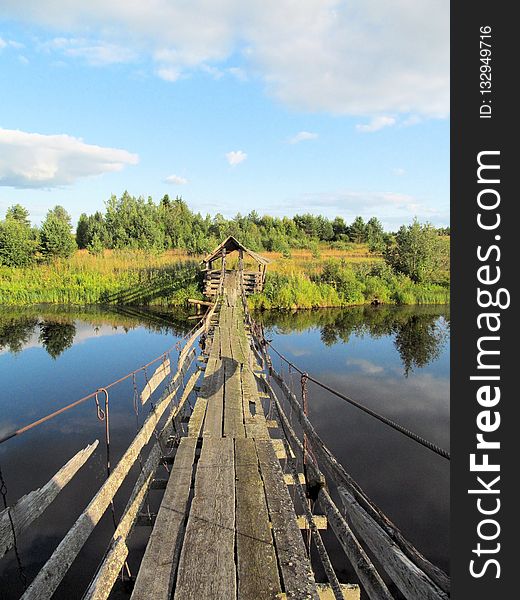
x=399 y=171
x=376 y=124
x=96 y=53
x=10 y=43
x=302 y=136
x=364 y=57
x=234 y=158
x=176 y=180
x=33 y=160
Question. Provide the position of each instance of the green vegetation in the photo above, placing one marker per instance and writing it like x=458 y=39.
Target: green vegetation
x=139 y=252
x=341 y=283
x=123 y=277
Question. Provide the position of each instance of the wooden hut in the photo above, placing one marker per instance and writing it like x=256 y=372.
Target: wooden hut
x=218 y=261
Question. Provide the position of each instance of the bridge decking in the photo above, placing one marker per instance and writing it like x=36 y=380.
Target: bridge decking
x=241 y=538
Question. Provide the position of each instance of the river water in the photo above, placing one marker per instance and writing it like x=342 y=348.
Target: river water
x=394 y=360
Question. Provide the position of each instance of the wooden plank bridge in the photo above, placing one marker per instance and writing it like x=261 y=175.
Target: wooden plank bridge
x=228 y=527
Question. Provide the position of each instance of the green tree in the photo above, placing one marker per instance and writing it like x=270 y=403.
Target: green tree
x=375 y=235
x=56 y=239
x=56 y=336
x=18 y=213
x=358 y=231
x=18 y=242
x=416 y=251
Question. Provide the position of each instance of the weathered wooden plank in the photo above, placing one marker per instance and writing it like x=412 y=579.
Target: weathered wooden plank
x=350 y=591
x=103 y=582
x=257 y=568
x=213 y=391
x=367 y=573
x=319 y=520
x=279 y=448
x=51 y=574
x=207 y=565
x=28 y=508
x=297 y=575
x=233 y=409
x=411 y=581
x=162 y=371
x=110 y=567
x=157 y=571
x=197 y=417
x=373 y=585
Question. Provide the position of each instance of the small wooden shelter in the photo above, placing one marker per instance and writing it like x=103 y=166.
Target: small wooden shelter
x=216 y=263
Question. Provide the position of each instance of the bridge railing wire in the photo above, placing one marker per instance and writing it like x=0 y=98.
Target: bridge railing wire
x=93 y=395
x=258 y=332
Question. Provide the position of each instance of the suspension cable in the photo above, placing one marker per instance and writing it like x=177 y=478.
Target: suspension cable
x=414 y=436
x=68 y=407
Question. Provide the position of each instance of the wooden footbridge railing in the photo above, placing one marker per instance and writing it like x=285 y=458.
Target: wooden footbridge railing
x=228 y=526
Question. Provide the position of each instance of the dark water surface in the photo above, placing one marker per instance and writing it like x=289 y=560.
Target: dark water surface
x=394 y=360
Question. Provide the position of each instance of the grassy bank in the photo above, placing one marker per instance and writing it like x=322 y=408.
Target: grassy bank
x=302 y=279
x=124 y=277
x=343 y=283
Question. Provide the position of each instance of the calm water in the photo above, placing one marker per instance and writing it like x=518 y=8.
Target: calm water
x=393 y=360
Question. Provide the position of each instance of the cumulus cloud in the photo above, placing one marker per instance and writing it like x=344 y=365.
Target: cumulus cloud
x=364 y=57
x=33 y=160
x=376 y=124
x=176 y=180
x=235 y=157
x=302 y=136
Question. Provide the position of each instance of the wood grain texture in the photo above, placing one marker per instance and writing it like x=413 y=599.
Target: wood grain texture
x=297 y=574
x=156 y=574
x=207 y=564
x=258 y=577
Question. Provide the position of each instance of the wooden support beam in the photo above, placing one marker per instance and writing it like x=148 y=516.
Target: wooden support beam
x=342 y=478
x=411 y=581
x=51 y=574
x=32 y=505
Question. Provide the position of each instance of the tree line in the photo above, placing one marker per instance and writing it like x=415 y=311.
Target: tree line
x=138 y=223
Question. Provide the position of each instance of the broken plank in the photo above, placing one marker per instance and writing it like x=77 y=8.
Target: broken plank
x=197 y=417
x=28 y=508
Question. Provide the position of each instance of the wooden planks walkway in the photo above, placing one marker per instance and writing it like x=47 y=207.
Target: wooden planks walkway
x=236 y=536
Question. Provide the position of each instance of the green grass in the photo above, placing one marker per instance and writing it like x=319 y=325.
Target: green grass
x=130 y=277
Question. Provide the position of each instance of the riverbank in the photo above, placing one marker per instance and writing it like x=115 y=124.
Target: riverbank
x=302 y=280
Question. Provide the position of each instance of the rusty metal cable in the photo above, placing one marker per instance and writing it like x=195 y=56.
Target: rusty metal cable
x=84 y=399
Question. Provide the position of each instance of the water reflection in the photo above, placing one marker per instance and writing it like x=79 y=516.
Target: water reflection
x=394 y=360
x=420 y=333
x=55 y=329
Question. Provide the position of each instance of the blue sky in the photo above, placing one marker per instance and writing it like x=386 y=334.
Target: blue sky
x=284 y=107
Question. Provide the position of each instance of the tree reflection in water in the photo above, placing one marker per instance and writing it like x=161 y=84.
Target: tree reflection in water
x=54 y=328
x=420 y=332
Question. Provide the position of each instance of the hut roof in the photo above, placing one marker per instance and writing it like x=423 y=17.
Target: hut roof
x=230 y=244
